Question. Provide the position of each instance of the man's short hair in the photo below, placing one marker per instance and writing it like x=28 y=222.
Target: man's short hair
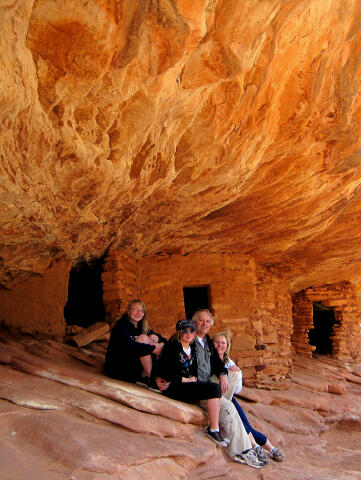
x=201 y=310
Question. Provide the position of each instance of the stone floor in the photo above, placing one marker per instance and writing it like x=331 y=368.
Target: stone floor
x=62 y=419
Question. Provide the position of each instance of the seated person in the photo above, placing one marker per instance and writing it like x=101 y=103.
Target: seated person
x=131 y=346
x=259 y=441
x=176 y=377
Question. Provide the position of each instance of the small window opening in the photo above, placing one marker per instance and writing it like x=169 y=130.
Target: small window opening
x=320 y=335
x=195 y=298
x=85 y=294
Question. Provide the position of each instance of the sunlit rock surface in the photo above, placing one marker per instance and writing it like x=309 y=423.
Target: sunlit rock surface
x=62 y=419
x=178 y=126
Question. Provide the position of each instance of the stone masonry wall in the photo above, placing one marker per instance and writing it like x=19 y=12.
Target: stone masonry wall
x=254 y=304
x=274 y=313
x=346 y=335
x=232 y=288
x=37 y=305
x=119 y=284
x=231 y=280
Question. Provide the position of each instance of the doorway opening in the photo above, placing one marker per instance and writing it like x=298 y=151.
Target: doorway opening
x=323 y=322
x=85 y=294
x=195 y=298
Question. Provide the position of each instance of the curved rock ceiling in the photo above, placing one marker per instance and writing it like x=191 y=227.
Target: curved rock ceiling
x=180 y=126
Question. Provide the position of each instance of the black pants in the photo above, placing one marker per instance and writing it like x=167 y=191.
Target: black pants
x=191 y=391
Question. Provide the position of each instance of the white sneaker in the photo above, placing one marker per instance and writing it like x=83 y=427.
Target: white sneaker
x=276 y=454
x=249 y=458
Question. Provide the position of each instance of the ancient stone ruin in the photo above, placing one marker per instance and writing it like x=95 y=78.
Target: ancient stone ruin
x=194 y=153
x=255 y=302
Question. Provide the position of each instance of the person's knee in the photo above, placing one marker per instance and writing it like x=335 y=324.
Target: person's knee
x=142 y=338
x=227 y=404
x=153 y=339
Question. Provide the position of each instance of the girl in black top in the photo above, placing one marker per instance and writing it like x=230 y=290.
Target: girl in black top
x=131 y=345
x=176 y=372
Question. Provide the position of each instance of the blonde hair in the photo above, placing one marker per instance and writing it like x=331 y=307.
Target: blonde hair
x=227 y=335
x=145 y=325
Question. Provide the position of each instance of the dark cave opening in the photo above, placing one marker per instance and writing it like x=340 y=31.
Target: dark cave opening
x=85 y=294
x=195 y=298
x=320 y=335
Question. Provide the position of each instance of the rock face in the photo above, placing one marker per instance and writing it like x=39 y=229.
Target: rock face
x=181 y=126
x=61 y=419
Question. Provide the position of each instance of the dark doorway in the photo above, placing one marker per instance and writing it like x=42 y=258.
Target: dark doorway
x=195 y=298
x=320 y=335
x=85 y=303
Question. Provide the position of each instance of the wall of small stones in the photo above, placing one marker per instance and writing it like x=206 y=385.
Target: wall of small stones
x=231 y=281
x=274 y=312
x=119 y=279
x=36 y=306
x=346 y=334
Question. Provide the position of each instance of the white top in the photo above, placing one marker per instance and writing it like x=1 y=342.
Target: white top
x=187 y=350
x=200 y=340
x=230 y=363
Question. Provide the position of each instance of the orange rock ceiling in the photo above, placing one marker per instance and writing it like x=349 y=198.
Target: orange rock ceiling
x=179 y=126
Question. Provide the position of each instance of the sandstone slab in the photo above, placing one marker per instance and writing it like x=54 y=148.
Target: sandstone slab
x=86 y=430
x=97 y=331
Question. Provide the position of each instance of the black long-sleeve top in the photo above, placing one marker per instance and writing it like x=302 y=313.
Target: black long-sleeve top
x=123 y=353
x=175 y=364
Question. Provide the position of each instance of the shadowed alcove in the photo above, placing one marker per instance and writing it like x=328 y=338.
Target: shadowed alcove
x=85 y=304
x=195 y=298
x=321 y=335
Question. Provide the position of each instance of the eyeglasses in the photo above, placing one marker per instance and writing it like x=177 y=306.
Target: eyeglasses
x=188 y=330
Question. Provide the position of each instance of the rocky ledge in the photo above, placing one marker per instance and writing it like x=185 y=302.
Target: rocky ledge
x=61 y=418
x=181 y=126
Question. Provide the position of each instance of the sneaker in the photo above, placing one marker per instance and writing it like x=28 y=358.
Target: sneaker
x=216 y=437
x=249 y=458
x=261 y=454
x=143 y=382
x=277 y=455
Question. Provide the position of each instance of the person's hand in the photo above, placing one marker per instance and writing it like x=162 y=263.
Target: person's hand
x=223 y=383
x=161 y=383
x=158 y=349
x=190 y=379
x=234 y=368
